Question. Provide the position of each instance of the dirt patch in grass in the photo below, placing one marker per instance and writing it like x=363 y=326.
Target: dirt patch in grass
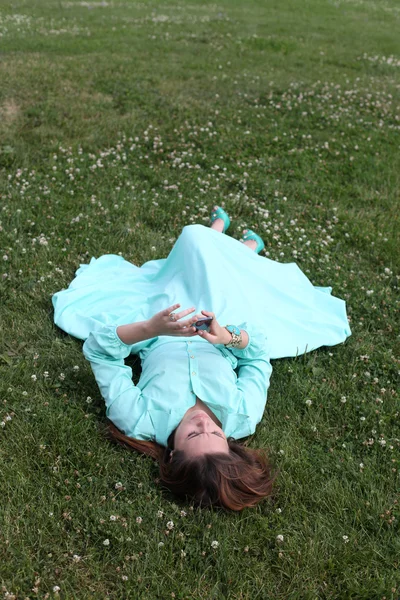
x=9 y=111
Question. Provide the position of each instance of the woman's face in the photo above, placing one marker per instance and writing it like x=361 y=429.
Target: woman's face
x=198 y=434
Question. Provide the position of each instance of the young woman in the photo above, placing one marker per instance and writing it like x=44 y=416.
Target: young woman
x=190 y=406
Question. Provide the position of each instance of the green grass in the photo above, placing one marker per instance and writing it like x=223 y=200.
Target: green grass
x=120 y=122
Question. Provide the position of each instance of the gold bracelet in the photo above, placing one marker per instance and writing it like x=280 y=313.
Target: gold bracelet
x=235 y=341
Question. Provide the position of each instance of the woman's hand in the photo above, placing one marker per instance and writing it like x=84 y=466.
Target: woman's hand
x=217 y=334
x=161 y=324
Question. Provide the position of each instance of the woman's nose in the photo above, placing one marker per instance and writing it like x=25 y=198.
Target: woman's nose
x=202 y=424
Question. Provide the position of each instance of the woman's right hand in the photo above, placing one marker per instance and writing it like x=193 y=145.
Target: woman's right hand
x=161 y=324
x=217 y=334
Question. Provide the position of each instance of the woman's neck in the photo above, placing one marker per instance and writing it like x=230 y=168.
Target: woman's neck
x=200 y=405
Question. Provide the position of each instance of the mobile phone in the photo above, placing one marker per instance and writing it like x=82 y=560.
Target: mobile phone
x=203 y=324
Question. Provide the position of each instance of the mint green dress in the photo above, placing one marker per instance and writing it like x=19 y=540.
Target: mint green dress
x=283 y=313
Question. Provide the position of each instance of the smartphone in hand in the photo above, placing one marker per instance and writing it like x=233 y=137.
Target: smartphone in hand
x=203 y=324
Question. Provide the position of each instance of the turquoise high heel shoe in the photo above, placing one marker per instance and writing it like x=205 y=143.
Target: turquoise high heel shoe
x=219 y=213
x=251 y=235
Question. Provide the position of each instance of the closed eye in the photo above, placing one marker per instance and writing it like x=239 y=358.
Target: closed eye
x=193 y=434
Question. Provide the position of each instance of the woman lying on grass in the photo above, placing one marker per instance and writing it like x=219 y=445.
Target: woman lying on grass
x=190 y=406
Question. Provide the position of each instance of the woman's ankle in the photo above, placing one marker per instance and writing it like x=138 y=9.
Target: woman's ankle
x=218 y=225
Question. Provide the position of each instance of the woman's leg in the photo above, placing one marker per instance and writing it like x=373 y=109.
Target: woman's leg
x=218 y=225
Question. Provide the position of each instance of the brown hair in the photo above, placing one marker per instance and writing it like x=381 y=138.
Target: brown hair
x=234 y=481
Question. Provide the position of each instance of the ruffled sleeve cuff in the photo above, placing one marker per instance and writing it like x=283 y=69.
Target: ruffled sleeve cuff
x=257 y=344
x=105 y=340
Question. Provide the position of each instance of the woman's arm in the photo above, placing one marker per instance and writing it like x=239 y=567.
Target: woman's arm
x=159 y=324
x=253 y=383
x=226 y=337
x=125 y=406
x=254 y=372
x=254 y=369
x=106 y=350
x=220 y=335
x=134 y=332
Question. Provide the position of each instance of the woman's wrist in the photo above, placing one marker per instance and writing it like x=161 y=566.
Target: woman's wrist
x=135 y=332
x=245 y=340
x=227 y=337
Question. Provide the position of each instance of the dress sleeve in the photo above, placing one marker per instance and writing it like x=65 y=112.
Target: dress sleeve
x=125 y=405
x=254 y=372
x=258 y=342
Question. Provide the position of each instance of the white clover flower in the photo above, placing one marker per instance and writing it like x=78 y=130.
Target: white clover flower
x=214 y=544
x=160 y=544
x=279 y=539
x=46 y=374
x=343 y=399
x=124 y=577
x=170 y=525
x=33 y=377
x=308 y=402
x=118 y=485
x=75 y=368
x=61 y=376
x=139 y=520
x=88 y=399
x=56 y=589
x=106 y=542
x=183 y=553
x=345 y=538
x=160 y=514
x=113 y=518
x=183 y=513
x=76 y=558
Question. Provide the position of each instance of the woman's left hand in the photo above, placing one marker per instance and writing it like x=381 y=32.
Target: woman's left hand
x=217 y=334
x=161 y=324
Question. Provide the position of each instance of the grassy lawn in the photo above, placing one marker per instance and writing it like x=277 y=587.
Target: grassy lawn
x=121 y=122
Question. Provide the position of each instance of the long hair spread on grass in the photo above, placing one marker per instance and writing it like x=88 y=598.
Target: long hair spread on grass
x=234 y=481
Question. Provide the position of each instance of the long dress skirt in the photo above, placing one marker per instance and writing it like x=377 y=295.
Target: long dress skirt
x=210 y=271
